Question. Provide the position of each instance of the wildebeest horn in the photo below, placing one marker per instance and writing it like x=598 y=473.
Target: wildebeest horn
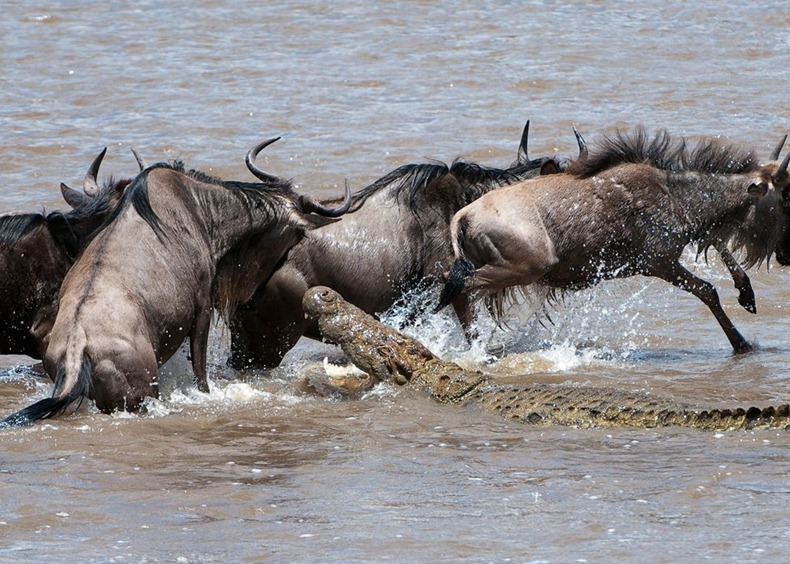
x=775 y=154
x=783 y=166
x=250 y=161
x=583 y=151
x=522 y=148
x=89 y=185
x=310 y=205
x=73 y=197
x=140 y=160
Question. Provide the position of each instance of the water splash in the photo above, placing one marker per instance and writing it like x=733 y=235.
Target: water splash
x=609 y=323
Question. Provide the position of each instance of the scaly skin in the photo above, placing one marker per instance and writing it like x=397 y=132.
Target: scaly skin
x=387 y=355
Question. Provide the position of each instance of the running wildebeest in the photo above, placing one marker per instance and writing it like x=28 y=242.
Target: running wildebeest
x=630 y=208
x=396 y=240
x=36 y=251
x=178 y=244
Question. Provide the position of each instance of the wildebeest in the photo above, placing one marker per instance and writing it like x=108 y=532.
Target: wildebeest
x=178 y=243
x=630 y=208
x=396 y=238
x=36 y=251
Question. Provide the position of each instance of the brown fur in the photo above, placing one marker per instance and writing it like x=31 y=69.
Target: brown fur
x=631 y=208
x=147 y=281
x=395 y=242
x=36 y=251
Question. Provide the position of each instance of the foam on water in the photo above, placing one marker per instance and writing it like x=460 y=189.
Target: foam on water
x=578 y=333
x=602 y=325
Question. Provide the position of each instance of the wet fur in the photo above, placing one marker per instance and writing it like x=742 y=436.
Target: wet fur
x=206 y=238
x=415 y=203
x=664 y=194
x=36 y=250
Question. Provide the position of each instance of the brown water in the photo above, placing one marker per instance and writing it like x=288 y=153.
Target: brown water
x=257 y=472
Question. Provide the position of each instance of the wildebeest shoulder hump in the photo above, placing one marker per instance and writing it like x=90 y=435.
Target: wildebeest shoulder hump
x=710 y=155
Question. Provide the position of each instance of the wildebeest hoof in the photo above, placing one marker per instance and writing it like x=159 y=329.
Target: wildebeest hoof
x=746 y=299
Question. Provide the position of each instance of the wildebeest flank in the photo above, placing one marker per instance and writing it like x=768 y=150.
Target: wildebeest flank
x=396 y=239
x=630 y=208
x=177 y=244
x=36 y=251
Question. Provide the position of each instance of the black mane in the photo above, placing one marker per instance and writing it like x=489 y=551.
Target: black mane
x=710 y=155
x=408 y=183
x=15 y=226
x=253 y=193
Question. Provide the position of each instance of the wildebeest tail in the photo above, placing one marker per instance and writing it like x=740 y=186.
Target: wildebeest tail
x=456 y=281
x=60 y=400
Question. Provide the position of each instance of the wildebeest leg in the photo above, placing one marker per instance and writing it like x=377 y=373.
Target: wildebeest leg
x=740 y=278
x=678 y=276
x=124 y=379
x=198 y=345
x=464 y=311
x=263 y=331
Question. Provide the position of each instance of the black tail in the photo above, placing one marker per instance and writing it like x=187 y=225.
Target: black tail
x=49 y=407
x=456 y=281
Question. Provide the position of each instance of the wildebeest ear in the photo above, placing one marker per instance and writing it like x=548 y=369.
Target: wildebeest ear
x=549 y=167
x=758 y=189
x=73 y=197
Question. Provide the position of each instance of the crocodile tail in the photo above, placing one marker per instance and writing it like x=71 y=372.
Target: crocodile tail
x=740 y=418
x=77 y=389
x=461 y=270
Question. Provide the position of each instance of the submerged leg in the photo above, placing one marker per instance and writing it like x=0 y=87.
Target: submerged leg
x=681 y=278
x=122 y=380
x=198 y=346
x=740 y=278
x=462 y=306
x=266 y=328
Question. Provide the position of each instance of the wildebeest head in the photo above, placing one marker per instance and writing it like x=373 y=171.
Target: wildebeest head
x=90 y=208
x=774 y=176
x=251 y=261
x=767 y=229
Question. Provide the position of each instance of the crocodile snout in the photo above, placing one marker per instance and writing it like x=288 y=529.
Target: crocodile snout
x=320 y=300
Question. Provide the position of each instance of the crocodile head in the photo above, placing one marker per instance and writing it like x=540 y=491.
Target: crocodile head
x=321 y=300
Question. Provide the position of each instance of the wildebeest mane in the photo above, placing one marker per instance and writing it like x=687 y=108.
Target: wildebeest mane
x=136 y=195
x=255 y=194
x=709 y=155
x=408 y=183
x=15 y=226
x=98 y=204
x=485 y=178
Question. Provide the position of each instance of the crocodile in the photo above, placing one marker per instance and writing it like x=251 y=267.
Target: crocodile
x=384 y=354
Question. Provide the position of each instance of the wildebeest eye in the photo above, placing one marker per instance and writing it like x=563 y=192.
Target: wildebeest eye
x=758 y=189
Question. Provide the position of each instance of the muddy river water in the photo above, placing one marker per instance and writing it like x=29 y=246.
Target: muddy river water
x=256 y=471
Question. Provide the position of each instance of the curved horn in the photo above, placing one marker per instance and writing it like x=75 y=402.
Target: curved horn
x=783 y=166
x=775 y=153
x=140 y=160
x=522 y=147
x=310 y=205
x=583 y=150
x=89 y=185
x=249 y=160
x=74 y=198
